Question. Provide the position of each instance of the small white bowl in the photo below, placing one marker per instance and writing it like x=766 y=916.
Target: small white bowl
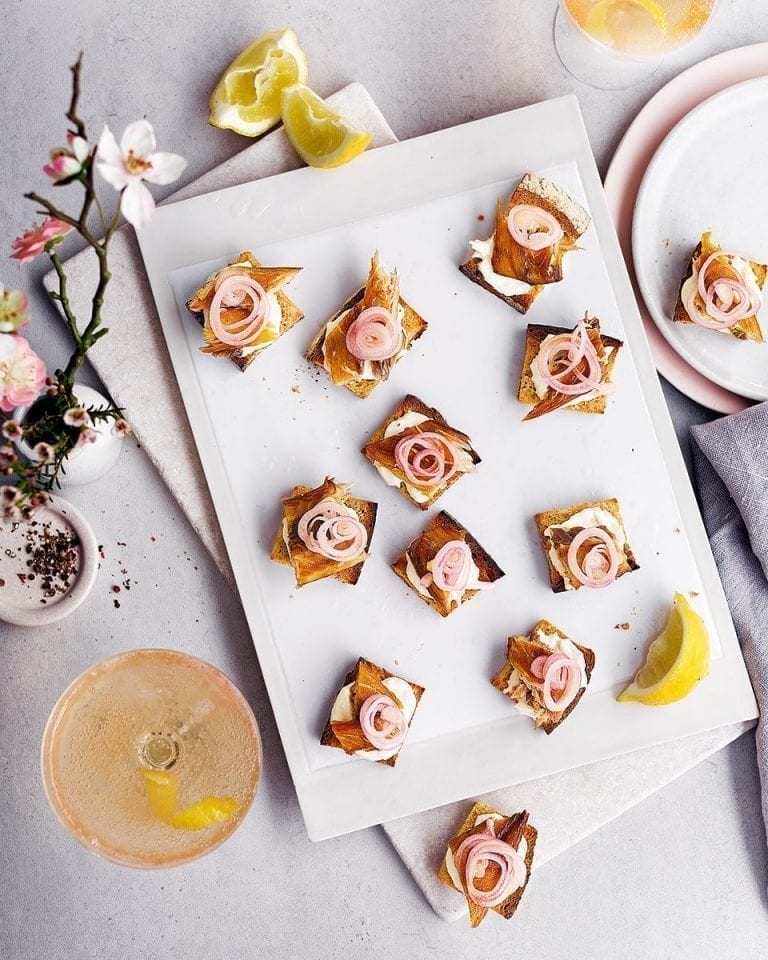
x=21 y=601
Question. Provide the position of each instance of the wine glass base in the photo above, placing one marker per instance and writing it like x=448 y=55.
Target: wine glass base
x=596 y=67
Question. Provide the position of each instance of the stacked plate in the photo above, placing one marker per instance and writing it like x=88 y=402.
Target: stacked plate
x=694 y=160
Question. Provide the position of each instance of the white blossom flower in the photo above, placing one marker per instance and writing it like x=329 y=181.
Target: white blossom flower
x=77 y=417
x=134 y=161
x=87 y=435
x=44 y=453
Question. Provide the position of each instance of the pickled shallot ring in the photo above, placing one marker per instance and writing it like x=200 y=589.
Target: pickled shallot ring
x=382 y=722
x=602 y=558
x=559 y=674
x=532 y=227
x=230 y=291
x=476 y=853
x=451 y=566
x=374 y=335
x=426 y=459
x=559 y=359
x=340 y=538
x=329 y=530
x=726 y=300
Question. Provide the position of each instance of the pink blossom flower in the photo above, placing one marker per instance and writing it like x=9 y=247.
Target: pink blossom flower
x=11 y=430
x=13 y=310
x=44 y=453
x=77 y=417
x=122 y=428
x=67 y=162
x=87 y=435
x=32 y=243
x=7 y=455
x=135 y=160
x=22 y=373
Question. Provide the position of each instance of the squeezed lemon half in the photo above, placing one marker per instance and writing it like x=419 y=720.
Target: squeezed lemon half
x=319 y=136
x=161 y=790
x=677 y=659
x=247 y=98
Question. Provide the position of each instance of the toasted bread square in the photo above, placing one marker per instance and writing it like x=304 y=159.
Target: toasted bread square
x=514 y=828
x=380 y=450
x=747 y=329
x=272 y=279
x=307 y=565
x=607 y=349
x=367 y=680
x=554 y=518
x=422 y=550
x=329 y=351
x=509 y=259
x=521 y=652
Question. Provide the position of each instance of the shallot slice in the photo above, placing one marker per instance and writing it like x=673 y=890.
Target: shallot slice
x=426 y=459
x=476 y=853
x=383 y=722
x=374 y=334
x=329 y=530
x=231 y=290
x=559 y=361
x=726 y=300
x=451 y=566
x=559 y=674
x=601 y=562
x=532 y=227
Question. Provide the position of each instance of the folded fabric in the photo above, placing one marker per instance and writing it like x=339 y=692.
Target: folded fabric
x=731 y=467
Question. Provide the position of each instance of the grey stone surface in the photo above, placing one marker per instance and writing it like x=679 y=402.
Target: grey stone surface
x=682 y=875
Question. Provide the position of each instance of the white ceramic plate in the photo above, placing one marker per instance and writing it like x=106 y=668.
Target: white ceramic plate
x=709 y=173
x=283 y=423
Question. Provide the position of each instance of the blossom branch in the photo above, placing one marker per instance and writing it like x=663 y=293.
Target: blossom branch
x=55 y=423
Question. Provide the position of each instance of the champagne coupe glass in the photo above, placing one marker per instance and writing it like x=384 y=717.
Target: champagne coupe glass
x=151 y=758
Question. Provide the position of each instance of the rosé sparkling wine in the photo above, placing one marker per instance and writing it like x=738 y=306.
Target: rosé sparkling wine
x=641 y=28
x=611 y=44
x=151 y=715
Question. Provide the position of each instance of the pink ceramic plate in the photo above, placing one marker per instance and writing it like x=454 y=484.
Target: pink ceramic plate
x=662 y=112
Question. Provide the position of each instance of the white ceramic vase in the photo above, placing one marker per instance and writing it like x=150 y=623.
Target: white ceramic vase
x=90 y=461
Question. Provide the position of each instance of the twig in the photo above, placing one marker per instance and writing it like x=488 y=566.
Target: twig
x=72 y=115
x=63 y=298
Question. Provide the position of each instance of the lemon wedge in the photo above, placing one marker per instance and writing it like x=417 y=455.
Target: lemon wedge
x=161 y=790
x=627 y=24
x=320 y=137
x=677 y=659
x=205 y=812
x=247 y=98
x=161 y=793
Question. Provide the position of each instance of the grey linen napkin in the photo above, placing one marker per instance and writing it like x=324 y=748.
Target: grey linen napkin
x=731 y=466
